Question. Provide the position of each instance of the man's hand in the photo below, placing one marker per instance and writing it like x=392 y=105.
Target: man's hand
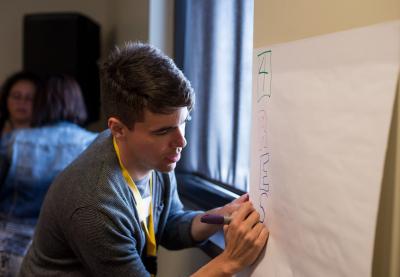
x=245 y=237
x=201 y=231
x=228 y=209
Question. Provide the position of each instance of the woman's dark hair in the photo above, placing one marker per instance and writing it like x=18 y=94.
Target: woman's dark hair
x=61 y=101
x=6 y=88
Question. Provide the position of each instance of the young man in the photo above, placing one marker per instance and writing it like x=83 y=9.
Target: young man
x=106 y=214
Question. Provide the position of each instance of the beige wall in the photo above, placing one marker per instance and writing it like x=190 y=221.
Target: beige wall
x=11 y=27
x=387 y=242
x=120 y=20
x=278 y=21
x=395 y=243
x=162 y=25
x=131 y=20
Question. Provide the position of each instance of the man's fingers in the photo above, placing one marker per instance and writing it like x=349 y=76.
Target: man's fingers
x=241 y=199
x=231 y=208
x=225 y=229
x=242 y=213
x=253 y=218
x=235 y=204
x=254 y=233
x=257 y=229
x=263 y=237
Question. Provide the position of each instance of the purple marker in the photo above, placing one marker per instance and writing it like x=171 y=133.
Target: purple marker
x=215 y=219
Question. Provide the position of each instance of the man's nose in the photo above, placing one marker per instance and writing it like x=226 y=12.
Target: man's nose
x=179 y=139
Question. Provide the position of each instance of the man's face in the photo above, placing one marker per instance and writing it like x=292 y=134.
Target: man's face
x=156 y=143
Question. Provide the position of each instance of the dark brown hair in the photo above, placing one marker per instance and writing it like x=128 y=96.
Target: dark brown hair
x=61 y=101
x=6 y=88
x=138 y=77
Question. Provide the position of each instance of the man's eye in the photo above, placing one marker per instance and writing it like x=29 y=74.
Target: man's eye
x=160 y=133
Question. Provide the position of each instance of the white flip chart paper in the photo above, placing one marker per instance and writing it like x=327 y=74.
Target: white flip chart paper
x=321 y=116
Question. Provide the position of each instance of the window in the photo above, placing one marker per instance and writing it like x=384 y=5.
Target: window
x=213 y=47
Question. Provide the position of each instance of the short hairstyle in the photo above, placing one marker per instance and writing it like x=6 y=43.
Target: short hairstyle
x=138 y=76
x=61 y=101
x=6 y=89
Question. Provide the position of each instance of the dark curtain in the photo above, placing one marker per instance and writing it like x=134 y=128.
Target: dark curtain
x=213 y=47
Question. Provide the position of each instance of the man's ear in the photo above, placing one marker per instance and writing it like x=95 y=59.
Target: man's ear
x=118 y=129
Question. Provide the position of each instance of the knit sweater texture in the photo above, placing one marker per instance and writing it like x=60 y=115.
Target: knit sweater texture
x=89 y=226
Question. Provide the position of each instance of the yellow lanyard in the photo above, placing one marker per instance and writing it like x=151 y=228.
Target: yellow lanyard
x=151 y=247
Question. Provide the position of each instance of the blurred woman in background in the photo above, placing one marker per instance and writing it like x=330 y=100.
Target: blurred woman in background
x=35 y=157
x=16 y=101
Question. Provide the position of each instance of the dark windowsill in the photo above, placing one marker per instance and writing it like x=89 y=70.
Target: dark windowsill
x=197 y=193
x=214 y=245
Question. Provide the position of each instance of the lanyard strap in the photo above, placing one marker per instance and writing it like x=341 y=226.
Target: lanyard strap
x=151 y=247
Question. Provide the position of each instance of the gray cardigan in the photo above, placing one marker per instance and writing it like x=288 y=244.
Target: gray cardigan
x=89 y=226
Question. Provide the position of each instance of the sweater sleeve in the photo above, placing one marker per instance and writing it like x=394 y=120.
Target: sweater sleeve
x=177 y=233
x=104 y=246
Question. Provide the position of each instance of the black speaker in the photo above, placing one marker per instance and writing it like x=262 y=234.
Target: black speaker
x=67 y=43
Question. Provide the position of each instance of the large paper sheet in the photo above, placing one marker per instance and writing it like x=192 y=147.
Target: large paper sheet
x=321 y=114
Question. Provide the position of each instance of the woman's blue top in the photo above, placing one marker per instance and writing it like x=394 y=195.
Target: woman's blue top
x=30 y=159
